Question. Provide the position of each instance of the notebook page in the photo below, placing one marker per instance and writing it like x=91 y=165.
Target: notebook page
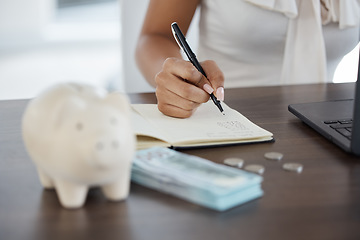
x=207 y=124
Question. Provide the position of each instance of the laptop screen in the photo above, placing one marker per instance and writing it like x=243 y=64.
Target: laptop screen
x=355 y=138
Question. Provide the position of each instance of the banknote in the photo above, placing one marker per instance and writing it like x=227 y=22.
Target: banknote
x=195 y=179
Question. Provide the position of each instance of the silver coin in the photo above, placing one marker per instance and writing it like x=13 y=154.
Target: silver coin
x=293 y=167
x=255 y=168
x=273 y=156
x=235 y=162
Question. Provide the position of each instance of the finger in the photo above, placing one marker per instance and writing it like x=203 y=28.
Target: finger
x=171 y=100
x=173 y=105
x=166 y=97
x=215 y=77
x=183 y=89
x=186 y=71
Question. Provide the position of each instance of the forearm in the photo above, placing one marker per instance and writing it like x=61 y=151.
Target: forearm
x=151 y=52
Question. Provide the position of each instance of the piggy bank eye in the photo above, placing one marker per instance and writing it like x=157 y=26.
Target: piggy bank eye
x=113 y=121
x=79 y=126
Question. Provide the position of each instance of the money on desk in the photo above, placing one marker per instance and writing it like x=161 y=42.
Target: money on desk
x=195 y=179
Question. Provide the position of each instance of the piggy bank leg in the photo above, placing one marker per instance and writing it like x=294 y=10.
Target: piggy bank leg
x=71 y=195
x=117 y=190
x=45 y=180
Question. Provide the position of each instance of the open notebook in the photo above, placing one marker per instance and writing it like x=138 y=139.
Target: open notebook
x=206 y=127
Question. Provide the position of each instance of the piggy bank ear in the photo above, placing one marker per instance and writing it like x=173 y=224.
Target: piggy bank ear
x=119 y=101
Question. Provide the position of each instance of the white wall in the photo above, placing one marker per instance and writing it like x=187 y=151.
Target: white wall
x=347 y=69
x=24 y=22
x=132 y=16
x=41 y=46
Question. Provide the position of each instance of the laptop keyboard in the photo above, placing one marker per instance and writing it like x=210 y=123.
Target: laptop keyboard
x=343 y=127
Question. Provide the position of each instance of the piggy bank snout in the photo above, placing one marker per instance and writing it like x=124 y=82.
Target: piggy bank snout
x=106 y=151
x=110 y=144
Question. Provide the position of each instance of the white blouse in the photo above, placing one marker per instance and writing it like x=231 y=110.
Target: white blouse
x=274 y=42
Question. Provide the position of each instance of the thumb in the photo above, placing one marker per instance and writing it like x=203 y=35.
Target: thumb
x=215 y=78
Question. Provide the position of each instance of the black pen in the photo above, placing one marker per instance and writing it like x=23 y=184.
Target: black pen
x=181 y=41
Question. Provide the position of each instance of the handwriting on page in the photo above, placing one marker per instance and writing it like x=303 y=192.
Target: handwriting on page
x=233 y=125
x=235 y=129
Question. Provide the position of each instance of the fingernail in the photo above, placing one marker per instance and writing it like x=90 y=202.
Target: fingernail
x=208 y=88
x=220 y=93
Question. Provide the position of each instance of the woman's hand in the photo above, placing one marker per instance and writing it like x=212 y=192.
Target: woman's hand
x=181 y=88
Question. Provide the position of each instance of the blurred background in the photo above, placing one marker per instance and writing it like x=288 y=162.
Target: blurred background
x=43 y=42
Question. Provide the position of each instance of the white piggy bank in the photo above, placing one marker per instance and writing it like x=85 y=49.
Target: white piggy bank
x=79 y=136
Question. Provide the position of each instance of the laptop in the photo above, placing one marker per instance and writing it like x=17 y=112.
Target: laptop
x=336 y=120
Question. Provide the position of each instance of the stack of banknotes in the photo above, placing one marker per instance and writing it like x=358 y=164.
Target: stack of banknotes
x=195 y=179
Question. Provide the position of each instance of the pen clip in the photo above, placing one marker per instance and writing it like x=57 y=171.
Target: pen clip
x=176 y=36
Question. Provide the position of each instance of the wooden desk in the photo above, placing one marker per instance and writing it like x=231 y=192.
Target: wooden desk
x=323 y=202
